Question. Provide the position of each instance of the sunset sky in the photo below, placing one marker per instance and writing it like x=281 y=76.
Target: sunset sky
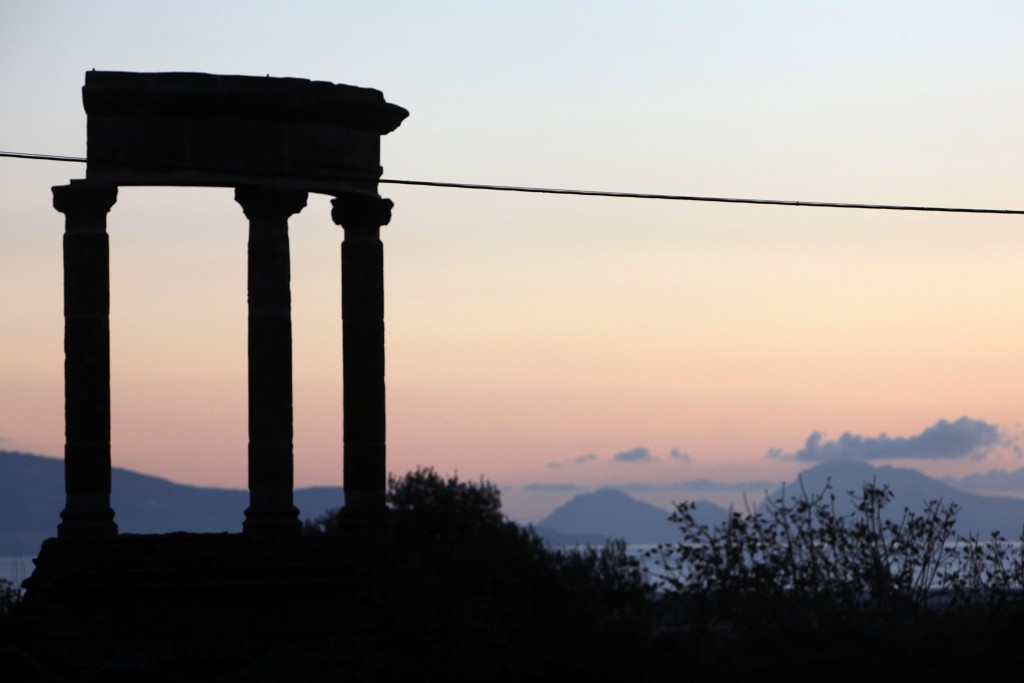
x=563 y=340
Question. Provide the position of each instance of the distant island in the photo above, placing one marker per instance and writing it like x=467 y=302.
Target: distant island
x=605 y=514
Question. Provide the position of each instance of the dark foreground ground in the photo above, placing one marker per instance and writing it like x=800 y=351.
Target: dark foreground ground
x=446 y=589
x=648 y=646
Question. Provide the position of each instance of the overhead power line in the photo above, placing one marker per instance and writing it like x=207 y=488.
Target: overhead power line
x=691 y=198
x=618 y=195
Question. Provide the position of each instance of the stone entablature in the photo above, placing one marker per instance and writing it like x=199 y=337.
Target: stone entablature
x=226 y=131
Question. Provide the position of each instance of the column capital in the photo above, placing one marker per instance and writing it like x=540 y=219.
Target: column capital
x=88 y=203
x=260 y=202
x=361 y=211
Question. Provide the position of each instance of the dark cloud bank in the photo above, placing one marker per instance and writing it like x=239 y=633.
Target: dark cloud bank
x=703 y=484
x=633 y=455
x=945 y=440
x=555 y=464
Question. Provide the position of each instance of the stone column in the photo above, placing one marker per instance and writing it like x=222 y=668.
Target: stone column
x=362 y=312
x=271 y=511
x=87 y=512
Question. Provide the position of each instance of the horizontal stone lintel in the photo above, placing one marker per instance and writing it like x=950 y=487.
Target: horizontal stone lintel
x=228 y=131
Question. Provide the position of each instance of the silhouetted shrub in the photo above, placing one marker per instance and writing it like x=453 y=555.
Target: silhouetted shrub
x=436 y=501
x=478 y=596
x=987 y=574
x=10 y=596
x=470 y=585
x=800 y=561
x=471 y=559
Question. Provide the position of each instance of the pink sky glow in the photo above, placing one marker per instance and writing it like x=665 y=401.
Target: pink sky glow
x=527 y=330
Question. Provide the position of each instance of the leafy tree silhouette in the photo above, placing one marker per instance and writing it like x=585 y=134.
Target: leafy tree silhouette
x=472 y=589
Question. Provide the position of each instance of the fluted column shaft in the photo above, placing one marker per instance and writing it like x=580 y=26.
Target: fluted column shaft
x=362 y=312
x=87 y=512
x=271 y=510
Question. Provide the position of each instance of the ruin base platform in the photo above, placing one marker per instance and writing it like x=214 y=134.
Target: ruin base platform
x=204 y=602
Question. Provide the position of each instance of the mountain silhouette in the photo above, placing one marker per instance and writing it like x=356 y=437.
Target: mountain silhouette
x=611 y=514
x=592 y=518
x=32 y=497
x=977 y=514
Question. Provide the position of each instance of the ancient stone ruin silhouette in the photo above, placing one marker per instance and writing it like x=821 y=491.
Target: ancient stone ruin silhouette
x=273 y=140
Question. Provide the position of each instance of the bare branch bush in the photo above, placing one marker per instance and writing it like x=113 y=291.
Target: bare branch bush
x=797 y=560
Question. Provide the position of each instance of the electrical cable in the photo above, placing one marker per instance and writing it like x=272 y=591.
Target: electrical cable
x=618 y=195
